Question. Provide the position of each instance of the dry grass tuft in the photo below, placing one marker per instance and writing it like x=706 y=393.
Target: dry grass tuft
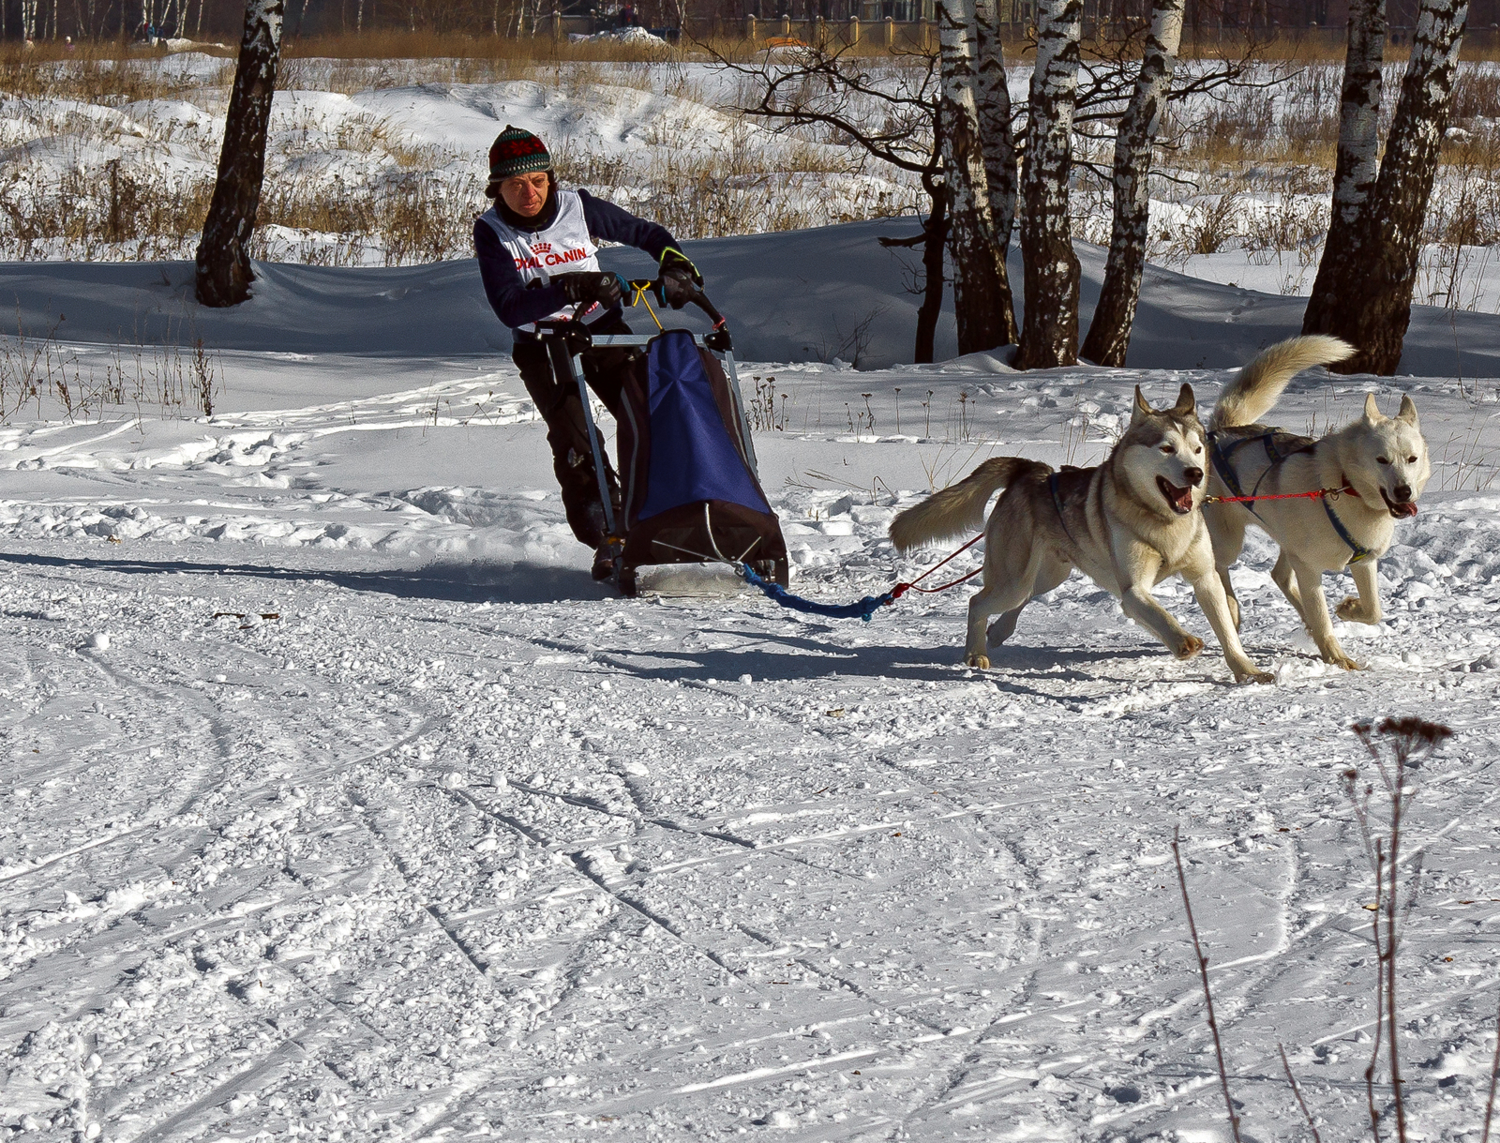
x=501 y=51
x=97 y=76
x=167 y=379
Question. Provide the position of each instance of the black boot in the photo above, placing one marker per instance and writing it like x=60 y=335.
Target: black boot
x=605 y=548
x=604 y=560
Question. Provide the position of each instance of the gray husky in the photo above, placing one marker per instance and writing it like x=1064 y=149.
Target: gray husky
x=1127 y=524
x=1381 y=463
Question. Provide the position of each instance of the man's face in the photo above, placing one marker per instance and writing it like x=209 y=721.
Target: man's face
x=525 y=194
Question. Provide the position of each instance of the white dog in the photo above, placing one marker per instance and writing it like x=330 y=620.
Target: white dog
x=1380 y=464
x=1127 y=524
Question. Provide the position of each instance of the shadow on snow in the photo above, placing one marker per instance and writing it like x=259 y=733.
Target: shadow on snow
x=458 y=583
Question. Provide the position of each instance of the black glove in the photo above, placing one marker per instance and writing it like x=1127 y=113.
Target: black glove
x=674 y=288
x=590 y=286
x=673 y=259
x=679 y=281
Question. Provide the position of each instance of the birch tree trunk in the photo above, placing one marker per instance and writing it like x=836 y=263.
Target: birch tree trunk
x=1049 y=333
x=223 y=257
x=998 y=145
x=979 y=287
x=1341 y=269
x=1135 y=139
x=1371 y=307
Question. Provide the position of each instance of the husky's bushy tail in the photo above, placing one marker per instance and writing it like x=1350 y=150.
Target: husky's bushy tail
x=959 y=508
x=1252 y=394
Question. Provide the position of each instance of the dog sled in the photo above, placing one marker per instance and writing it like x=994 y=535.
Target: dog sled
x=689 y=480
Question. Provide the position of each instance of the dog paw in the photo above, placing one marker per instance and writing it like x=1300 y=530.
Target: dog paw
x=980 y=661
x=1351 y=610
x=1254 y=677
x=1189 y=646
x=1340 y=659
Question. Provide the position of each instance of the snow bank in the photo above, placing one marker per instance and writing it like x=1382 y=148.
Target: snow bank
x=811 y=295
x=631 y=35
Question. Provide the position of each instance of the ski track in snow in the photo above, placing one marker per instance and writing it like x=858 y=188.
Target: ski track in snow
x=375 y=818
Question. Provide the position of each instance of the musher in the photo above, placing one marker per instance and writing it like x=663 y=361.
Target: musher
x=538 y=260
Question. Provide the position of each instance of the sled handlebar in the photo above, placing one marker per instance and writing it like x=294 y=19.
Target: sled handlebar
x=574 y=329
x=719 y=339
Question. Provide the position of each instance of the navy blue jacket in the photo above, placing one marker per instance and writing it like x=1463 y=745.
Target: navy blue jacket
x=516 y=305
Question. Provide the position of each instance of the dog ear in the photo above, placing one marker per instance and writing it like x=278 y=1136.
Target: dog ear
x=1408 y=411
x=1372 y=411
x=1187 y=404
x=1140 y=410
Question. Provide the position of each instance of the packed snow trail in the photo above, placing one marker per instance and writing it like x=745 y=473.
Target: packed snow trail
x=341 y=803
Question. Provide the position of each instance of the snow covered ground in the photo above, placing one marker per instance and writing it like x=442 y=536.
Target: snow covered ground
x=339 y=803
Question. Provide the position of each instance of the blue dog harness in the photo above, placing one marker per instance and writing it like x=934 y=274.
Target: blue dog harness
x=1360 y=551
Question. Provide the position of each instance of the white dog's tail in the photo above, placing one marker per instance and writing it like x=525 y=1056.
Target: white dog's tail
x=1252 y=394
x=959 y=508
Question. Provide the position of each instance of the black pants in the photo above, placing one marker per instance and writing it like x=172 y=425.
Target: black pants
x=561 y=407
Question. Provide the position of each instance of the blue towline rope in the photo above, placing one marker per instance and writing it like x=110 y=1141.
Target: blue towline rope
x=864 y=609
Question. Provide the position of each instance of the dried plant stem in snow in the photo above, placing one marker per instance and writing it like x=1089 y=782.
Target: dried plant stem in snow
x=1489 y=1103
x=1407 y=738
x=1297 y=1091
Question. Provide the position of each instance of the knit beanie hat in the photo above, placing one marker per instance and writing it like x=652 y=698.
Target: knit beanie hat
x=517 y=151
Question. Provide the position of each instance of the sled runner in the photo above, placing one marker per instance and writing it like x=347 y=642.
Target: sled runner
x=689 y=481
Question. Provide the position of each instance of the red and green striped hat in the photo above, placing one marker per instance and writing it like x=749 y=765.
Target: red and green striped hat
x=517 y=151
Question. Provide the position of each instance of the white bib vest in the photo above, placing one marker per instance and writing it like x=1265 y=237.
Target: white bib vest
x=562 y=248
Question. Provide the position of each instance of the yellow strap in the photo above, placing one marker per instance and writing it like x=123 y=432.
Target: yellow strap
x=640 y=299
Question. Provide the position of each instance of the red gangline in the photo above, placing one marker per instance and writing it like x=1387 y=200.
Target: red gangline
x=1316 y=494
x=902 y=588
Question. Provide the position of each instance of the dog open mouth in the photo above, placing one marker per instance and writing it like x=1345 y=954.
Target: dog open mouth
x=1401 y=509
x=1181 y=499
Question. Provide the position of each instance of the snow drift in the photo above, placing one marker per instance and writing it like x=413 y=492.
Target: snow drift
x=813 y=295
